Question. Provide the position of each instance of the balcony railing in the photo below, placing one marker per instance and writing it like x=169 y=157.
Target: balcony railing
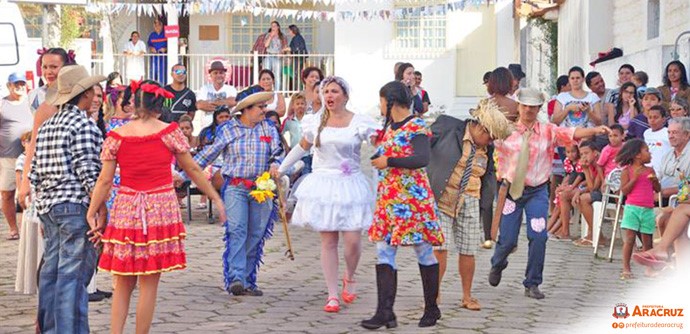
x=242 y=69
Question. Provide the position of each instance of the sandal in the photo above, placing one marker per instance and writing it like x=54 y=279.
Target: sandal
x=583 y=243
x=648 y=259
x=626 y=275
x=13 y=236
x=332 y=305
x=348 y=298
x=472 y=305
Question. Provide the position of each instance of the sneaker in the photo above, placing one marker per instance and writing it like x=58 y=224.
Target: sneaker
x=533 y=292
x=488 y=244
x=201 y=205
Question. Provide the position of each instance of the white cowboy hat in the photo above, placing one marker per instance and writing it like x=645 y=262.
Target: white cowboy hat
x=71 y=81
x=530 y=97
x=252 y=99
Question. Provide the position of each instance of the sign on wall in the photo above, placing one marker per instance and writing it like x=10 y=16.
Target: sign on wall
x=172 y=31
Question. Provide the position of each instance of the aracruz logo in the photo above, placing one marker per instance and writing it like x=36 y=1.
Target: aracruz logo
x=620 y=311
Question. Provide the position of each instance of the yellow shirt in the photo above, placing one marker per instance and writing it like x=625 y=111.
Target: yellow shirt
x=449 y=203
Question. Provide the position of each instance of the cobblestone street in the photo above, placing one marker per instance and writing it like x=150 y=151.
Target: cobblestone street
x=578 y=288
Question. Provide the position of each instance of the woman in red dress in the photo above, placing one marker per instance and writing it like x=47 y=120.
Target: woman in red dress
x=144 y=236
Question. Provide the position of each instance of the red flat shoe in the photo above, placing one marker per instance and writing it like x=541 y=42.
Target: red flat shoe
x=332 y=305
x=348 y=298
x=649 y=260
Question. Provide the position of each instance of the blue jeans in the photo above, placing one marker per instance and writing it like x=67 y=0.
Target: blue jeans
x=69 y=261
x=245 y=230
x=535 y=203
x=386 y=254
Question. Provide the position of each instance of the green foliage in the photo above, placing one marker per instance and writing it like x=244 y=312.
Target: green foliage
x=71 y=18
x=550 y=39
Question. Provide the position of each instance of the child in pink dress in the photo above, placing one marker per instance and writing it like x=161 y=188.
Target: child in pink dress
x=638 y=184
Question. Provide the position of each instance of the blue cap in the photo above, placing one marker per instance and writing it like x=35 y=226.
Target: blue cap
x=16 y=77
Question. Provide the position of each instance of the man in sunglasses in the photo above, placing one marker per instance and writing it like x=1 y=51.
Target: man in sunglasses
x=184 y=102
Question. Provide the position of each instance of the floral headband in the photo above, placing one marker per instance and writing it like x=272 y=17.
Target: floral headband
x=338 y=80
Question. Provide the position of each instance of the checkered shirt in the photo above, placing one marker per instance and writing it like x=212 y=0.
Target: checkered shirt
x=247 y=152
x=67 y=163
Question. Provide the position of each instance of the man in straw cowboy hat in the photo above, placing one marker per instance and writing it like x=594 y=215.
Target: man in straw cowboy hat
x=524 y=166
x=64 y=172
x=462 y=176
x=250 y=146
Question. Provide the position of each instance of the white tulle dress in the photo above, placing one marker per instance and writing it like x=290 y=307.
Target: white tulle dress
x=336 y=196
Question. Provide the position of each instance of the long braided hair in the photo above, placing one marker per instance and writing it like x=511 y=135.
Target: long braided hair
x=326 y=114
x=396 y=93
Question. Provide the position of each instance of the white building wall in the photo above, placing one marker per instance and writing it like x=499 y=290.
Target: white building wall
x=506 y=36
x=122 y=26
x=625 y=27
x=365 y=56
x=208 y=47
x=325 y=43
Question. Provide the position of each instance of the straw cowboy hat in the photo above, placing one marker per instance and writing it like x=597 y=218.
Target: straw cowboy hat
x=71 y=81
x=530 y=97
x=250 y=97
x=489 y=115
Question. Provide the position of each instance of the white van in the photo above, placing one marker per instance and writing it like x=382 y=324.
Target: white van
x=13 y=44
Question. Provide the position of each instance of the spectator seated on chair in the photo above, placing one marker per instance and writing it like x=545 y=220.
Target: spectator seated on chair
x=564 y=193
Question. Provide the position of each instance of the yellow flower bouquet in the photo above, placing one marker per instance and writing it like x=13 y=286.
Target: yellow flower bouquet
x=264 y=188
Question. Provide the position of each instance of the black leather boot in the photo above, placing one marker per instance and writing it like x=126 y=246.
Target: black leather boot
x=430 y=284
x=387 y=285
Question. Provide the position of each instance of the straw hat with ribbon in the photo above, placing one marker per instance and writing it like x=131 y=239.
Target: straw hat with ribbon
x=71 y=81
x=489 y=115
x=251 y=96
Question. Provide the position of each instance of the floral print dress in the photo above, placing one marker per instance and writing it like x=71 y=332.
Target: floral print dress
x=406 y=212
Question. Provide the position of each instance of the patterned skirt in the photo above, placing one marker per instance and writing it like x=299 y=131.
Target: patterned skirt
x=145 y=233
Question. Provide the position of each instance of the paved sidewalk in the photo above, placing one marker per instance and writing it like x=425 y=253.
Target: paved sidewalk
x=577 y=287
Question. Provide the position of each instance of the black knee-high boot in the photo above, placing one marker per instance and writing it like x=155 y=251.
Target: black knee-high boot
x=387 y=285
x=430 y=284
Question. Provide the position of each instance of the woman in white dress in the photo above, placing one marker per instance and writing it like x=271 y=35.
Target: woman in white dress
x=135 y=50
x=336 y=197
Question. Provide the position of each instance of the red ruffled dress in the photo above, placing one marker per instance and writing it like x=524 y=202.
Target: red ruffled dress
x=145 y=232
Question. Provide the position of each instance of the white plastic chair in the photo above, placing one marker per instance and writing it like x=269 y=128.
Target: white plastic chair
x=612 y=185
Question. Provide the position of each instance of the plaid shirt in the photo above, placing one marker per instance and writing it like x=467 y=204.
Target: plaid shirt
x=544 y=140
x=67 y=162
x=247 y=152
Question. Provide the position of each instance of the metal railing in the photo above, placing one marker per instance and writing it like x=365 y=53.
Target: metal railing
x=242 y=69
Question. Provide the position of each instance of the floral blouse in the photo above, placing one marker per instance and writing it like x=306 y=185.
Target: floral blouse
x=406 y=212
